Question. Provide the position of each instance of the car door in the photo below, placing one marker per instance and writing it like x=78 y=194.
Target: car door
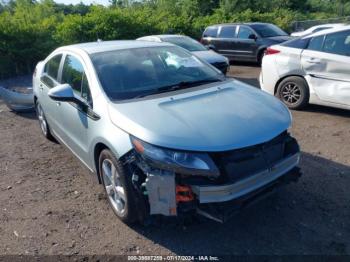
x=77 y=121
x=246 y=47
x=209 y=38
x=48 y=80
x=326 y=61
x=226 y=40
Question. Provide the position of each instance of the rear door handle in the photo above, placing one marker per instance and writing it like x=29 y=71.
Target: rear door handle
x=58 y=103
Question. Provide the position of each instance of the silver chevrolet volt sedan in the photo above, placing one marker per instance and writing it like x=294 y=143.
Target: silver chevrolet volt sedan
x=165 y=132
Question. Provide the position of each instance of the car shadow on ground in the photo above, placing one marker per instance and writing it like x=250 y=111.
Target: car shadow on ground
x=300 y=218
x=327 y=110
x=250 y=64
x=30 y=114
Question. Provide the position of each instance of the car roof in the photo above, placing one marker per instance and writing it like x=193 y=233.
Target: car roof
x=248 y=24
x=162 y=36
x=328 y=31
x=104 y=46
x=322 y=25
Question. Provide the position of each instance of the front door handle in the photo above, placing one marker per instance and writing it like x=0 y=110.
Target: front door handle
x=313 y=60
x=58 y=103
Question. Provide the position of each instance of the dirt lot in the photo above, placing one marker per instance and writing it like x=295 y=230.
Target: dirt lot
x=51 y=205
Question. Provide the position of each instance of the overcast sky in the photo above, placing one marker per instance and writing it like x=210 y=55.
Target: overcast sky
x=87 y=2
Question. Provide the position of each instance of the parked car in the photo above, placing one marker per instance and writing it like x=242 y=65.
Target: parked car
x=164 y=132
x=314 y=69
x=213 y=58
x=243 y=42
x=315 y=29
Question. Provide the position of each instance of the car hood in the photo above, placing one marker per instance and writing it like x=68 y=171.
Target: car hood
x=224 y=116
x=210 y=56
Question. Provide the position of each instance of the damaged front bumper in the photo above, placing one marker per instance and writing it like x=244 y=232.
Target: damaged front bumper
x=18 y=101
x=221 y=193
x=244 y=174
x=223 y=211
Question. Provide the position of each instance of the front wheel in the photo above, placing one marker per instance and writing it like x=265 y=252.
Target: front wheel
x=44 y=126
x=294 y=92
x=118 y=187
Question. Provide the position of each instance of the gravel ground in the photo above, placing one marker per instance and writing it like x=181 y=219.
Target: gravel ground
x=51 y=205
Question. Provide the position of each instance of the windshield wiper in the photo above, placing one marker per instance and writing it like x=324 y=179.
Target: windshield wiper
x=178 y=86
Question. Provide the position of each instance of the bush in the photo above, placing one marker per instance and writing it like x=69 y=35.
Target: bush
x=30 y=30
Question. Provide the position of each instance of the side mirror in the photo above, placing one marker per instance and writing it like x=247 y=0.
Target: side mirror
x=252 y=36
x=65 y=93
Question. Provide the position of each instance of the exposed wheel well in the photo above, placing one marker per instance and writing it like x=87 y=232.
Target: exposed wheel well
x=97 y=151
x=260 y=52
x=280 y=80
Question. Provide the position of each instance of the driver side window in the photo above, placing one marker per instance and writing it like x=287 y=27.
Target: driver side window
x=73 y=74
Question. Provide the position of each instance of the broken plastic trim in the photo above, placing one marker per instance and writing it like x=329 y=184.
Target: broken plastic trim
x=17 y=101
x=159 y=185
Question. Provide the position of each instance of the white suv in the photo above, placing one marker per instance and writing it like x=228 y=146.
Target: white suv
x=314 y=69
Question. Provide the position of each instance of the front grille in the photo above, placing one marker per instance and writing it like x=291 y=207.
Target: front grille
x=241 y=163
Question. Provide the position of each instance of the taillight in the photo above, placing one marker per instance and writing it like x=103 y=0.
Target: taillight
x=271 y=51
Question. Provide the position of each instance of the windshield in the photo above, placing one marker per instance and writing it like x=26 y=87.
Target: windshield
x=185 y=42
x=268 y=30
x=137 y=72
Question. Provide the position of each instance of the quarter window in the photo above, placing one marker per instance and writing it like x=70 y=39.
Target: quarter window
x=316 y=43
x=338 y=43
x=299 y=43
x=244 y=32
x=73 y=74
x=227 y=32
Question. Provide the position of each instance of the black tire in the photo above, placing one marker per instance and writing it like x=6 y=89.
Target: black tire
x=129 y=215
x=44 y=126
x=294 y=92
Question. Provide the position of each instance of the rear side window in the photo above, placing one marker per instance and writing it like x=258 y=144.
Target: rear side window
x=244 y=32
x=227 y=31
x=52 y=66
x=337 y=43
x=210 y=32
x=316 y=43
x=73 y=74
x=300 y=43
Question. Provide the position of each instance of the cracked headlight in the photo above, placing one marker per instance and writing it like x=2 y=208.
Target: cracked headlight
x=191 y=163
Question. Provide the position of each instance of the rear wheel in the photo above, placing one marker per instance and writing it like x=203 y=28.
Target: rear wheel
x=294 y=92
x=44 y=126
x=118 y=187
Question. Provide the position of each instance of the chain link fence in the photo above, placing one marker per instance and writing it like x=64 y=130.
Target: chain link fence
x=303 y=25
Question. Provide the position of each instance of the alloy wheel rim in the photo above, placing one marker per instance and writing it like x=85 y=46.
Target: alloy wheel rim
x=114 y=188
x=42 y=120
x=291 y=93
